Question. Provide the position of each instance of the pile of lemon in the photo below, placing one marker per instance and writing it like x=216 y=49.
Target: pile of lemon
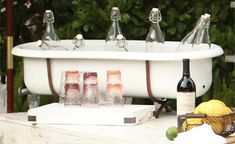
x=216 y=112
x=213 y=108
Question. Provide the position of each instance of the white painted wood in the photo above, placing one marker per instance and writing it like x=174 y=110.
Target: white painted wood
x=56 y=113
x=16 y=130
x=232 y=4
x=230 y=58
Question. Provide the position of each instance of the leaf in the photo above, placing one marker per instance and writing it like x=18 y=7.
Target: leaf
x=181 y=27
x=126 y=18
x=184 y=17
x=76 y=24
x=179 y=5
x=86 y=27
x=134 y=20
x=171 y=31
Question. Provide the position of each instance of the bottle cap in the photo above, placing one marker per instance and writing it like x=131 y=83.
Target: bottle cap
x=78 y=41
x=155 y=9
x=115 y=8
x=121 y=42
x=39 y=43
x=204 y=21
x=120 y=36
x=48 y=17
x=79 y=36
x=115 y=14
x=48 y=11
x=155 y=15
x=207 y=15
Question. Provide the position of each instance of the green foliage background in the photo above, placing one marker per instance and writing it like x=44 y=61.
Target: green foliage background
x=92 y=18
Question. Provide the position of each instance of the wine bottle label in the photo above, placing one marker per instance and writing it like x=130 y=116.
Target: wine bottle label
x=185 y=102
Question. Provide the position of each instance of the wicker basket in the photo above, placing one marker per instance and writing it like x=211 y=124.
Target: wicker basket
x=222 y=125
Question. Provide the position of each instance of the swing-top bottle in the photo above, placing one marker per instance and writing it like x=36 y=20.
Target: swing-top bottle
x=198 y=38
x=155 y=40
x=114 y=31
x=50 y=39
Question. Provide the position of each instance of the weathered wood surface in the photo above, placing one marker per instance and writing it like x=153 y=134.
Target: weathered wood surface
x=14 y=129
x=230 y=58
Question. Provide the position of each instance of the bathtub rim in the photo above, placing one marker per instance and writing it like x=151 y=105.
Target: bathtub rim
x=19 y=50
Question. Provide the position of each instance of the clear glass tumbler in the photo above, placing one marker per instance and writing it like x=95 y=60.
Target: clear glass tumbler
x=114 y=88
x=33 y=100
x=90 y=89
x=70 y=93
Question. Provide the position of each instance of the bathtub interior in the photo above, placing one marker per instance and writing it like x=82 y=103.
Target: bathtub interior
x=94 y=49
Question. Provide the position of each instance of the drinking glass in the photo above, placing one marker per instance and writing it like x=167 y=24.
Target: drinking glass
x=90 y=89
x=33 y=100
x=114 y=88
x=70 y=88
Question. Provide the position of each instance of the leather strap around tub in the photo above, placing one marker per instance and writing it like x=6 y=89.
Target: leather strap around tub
x=148 y=82
x=150 y=94
x=54 y=93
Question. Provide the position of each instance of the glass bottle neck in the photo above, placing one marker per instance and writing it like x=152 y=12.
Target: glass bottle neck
x=186 y=71
x=155 y=26
x=114 y=30
x=115 y=25
x=203 y=36
x=155 y=34
x=50 y=28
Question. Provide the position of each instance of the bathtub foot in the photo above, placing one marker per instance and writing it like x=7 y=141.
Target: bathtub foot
x=158 y=110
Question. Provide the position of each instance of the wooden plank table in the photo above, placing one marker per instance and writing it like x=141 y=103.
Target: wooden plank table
x=15 y=129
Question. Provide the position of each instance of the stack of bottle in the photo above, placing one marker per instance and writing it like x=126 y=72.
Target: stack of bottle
x=84 y=91
x=197 y=39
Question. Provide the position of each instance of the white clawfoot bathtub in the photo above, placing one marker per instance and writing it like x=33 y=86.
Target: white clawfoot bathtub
x=165 y=67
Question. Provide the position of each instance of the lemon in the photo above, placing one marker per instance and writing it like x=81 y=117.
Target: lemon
x=227 y=111
x=216 y=102
x=172 y=132
x=212 y=108
x=199 y=109
x=192 y=122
